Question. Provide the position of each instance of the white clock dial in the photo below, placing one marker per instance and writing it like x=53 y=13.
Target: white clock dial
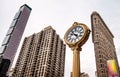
x=75 y=34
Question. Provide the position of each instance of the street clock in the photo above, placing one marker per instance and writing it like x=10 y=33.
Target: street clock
x=77 y=35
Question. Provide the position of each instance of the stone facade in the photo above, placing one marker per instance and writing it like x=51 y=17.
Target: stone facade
x=103 y=44
x=42 y=55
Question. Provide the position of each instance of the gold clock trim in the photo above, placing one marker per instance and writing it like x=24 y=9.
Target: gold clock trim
x=83 y=39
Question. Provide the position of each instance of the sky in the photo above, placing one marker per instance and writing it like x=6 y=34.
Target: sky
x=61 y=14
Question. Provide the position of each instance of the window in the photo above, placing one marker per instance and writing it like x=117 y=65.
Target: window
x=17 y=15
x=101 y=65
x=10 y=31
x=2 y=49
x=6 y=40
x=13 y=24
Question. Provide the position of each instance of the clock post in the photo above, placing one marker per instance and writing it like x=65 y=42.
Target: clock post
x=76 y=62
x=75 y=37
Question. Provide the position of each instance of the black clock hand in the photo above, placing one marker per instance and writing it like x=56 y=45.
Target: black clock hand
x=76 y=35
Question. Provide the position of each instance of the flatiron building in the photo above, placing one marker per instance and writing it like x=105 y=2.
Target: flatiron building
x=103 y=45
x=12 y=39
x=42 y=55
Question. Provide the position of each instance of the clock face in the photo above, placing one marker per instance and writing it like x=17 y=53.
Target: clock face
x=75 y=34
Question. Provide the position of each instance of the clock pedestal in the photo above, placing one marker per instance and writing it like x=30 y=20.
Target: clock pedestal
x=76 y=62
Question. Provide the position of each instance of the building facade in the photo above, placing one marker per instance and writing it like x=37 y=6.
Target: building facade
x=11 y=72
x=42 y=55
x=103 y=44
x=84 y=74
x=12 y=39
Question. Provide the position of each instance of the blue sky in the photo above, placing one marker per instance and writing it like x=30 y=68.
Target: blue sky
x=61 y=14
